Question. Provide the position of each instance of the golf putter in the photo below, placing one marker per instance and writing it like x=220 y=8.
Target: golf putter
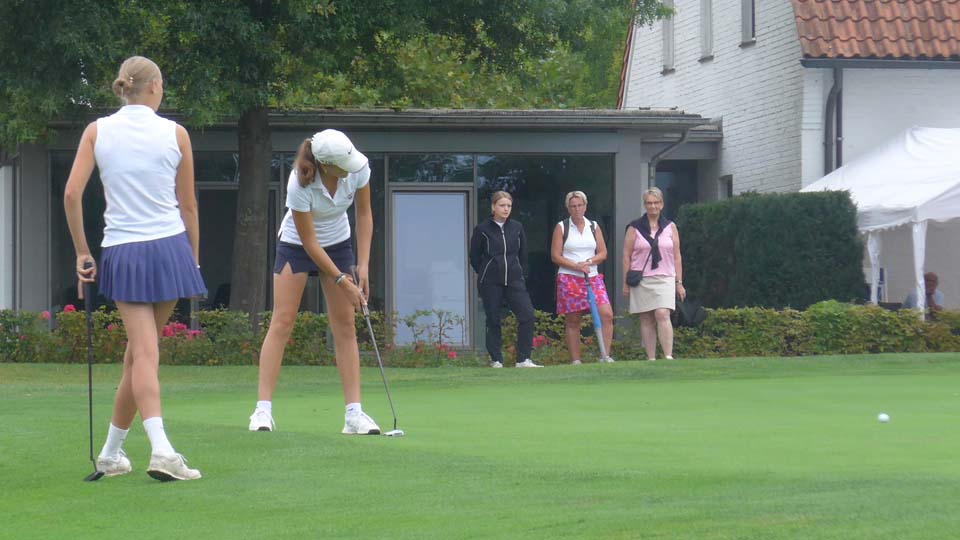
x=597 y=324
x=88 y=311
x=395 y=432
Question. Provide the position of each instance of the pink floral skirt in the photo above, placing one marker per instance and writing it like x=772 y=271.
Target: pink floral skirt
x=572 y=293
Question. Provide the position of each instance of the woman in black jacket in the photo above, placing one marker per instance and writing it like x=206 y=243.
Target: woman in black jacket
x=496 y=248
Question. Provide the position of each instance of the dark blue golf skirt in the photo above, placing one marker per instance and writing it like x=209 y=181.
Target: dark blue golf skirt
x=341 y=253
x=152 y=271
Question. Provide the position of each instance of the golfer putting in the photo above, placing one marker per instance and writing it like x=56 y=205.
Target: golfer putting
x=329 y=175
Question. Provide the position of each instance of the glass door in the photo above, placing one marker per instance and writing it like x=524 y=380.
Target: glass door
x=429 y=264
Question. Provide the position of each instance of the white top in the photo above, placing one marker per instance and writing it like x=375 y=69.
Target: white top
x=138 y=156
x=910 y=302
x=329 y=213
x=579 y=247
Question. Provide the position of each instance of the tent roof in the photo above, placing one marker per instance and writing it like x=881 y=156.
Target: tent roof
x=912 y=178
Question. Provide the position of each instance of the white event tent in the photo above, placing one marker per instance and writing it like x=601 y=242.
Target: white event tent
x=911 y=181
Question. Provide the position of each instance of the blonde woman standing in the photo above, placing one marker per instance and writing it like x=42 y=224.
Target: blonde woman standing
x=652 y=246
x=577 y=248
x=150 y=249
x=497 y=246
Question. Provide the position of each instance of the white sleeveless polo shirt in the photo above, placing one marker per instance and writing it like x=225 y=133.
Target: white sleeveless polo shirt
x=137 y=154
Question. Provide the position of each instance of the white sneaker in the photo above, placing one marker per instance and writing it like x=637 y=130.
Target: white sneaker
x=114 y=466
x=169 y=468
x=606 y=360
x=359 y=424
x=575 y=362
x=496 y=364
x=262 y=420
x=527 y=363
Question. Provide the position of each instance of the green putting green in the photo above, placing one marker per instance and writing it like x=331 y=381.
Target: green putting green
x=766 y=448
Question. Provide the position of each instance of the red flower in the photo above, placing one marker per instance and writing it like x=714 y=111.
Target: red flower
x=23 y=338
x=452 y=355
x=69 y=308
x=111 y=327
x=44 y=315
x=167 y=331
x=539 y=341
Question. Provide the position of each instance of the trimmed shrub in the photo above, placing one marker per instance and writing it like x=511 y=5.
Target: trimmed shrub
x=773 y=250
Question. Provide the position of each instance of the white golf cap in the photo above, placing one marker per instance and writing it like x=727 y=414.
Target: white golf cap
x=334 y=148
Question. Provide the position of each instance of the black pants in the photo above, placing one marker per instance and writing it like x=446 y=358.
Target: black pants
x=493 y=295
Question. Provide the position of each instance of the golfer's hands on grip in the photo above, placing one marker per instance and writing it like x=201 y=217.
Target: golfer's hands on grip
x=361 y=276
x=85 y=275
x=354 y=294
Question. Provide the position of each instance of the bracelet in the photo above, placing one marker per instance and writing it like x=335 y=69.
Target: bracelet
x=339 y=278
x=679 y=282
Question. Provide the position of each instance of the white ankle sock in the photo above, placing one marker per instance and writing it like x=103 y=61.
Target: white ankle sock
x=115 y=438
x=159 y=443
x=265 y=406
x=354 y=408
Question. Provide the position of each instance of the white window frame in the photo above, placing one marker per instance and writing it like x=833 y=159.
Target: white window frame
x=706 y=30
x=668 y=41
x=748 y=22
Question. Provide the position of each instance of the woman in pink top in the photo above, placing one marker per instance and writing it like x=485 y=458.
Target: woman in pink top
x=652 y=245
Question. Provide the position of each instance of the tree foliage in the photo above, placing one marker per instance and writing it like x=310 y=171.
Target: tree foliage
x=238 y=59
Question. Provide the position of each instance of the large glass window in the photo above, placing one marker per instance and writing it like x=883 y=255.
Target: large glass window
x=678 y=182
x=431 y=168
x=538 y=184
x=431 y=275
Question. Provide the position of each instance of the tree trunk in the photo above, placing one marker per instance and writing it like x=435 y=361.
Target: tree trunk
x=248 y=282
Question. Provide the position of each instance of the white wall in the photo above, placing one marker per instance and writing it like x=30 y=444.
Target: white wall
x=896 y=257
x=816 y=88
x=6 y=237
x=757 y=90
x=880 y=103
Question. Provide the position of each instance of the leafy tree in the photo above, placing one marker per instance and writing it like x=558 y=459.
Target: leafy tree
x=242 y=58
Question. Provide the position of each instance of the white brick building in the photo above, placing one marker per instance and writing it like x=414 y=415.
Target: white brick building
x=774 y=71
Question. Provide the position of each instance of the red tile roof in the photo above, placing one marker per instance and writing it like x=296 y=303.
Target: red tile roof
x=881 y=29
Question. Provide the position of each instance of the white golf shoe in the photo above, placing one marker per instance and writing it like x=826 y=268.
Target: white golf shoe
x=528 y=363
x=262 y=420
x=495 y=364
x=607 y=360
x=359 y=424
x=169 y=468
x=114 y=466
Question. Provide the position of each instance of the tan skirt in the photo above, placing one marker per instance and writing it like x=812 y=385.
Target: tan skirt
x=654 y=292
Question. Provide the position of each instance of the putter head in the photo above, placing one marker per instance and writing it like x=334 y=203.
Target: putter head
x=394 y=433
x=94 y=476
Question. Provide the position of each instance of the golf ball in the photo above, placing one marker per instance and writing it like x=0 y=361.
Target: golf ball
x=883 y=418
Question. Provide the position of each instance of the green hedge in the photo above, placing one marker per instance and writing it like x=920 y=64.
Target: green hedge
x=226 y=337
x=773 y=250
x=825 y=328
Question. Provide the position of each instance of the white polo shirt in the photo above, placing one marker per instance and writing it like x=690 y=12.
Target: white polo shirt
x=138 y=156
x=329 y=213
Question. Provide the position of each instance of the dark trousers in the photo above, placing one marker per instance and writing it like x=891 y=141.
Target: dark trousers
x=493 y=295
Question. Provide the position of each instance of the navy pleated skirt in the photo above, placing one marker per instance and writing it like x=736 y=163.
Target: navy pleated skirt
x=152 y=271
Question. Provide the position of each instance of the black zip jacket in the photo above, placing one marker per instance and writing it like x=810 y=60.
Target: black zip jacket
x=495 y=254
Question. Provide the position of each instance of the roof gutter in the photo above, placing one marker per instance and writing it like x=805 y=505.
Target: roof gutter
x=832 y=119
x=878 y=63
x=661 y=155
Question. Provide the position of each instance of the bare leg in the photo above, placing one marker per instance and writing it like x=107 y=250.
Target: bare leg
x=124 y=404
x=341 y=315
x=665 y=331
x=648 y=332
x=287 y=292
x=572 y=334
x=606 y=318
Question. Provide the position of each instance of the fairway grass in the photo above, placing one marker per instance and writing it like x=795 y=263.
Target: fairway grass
x=754 y=448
